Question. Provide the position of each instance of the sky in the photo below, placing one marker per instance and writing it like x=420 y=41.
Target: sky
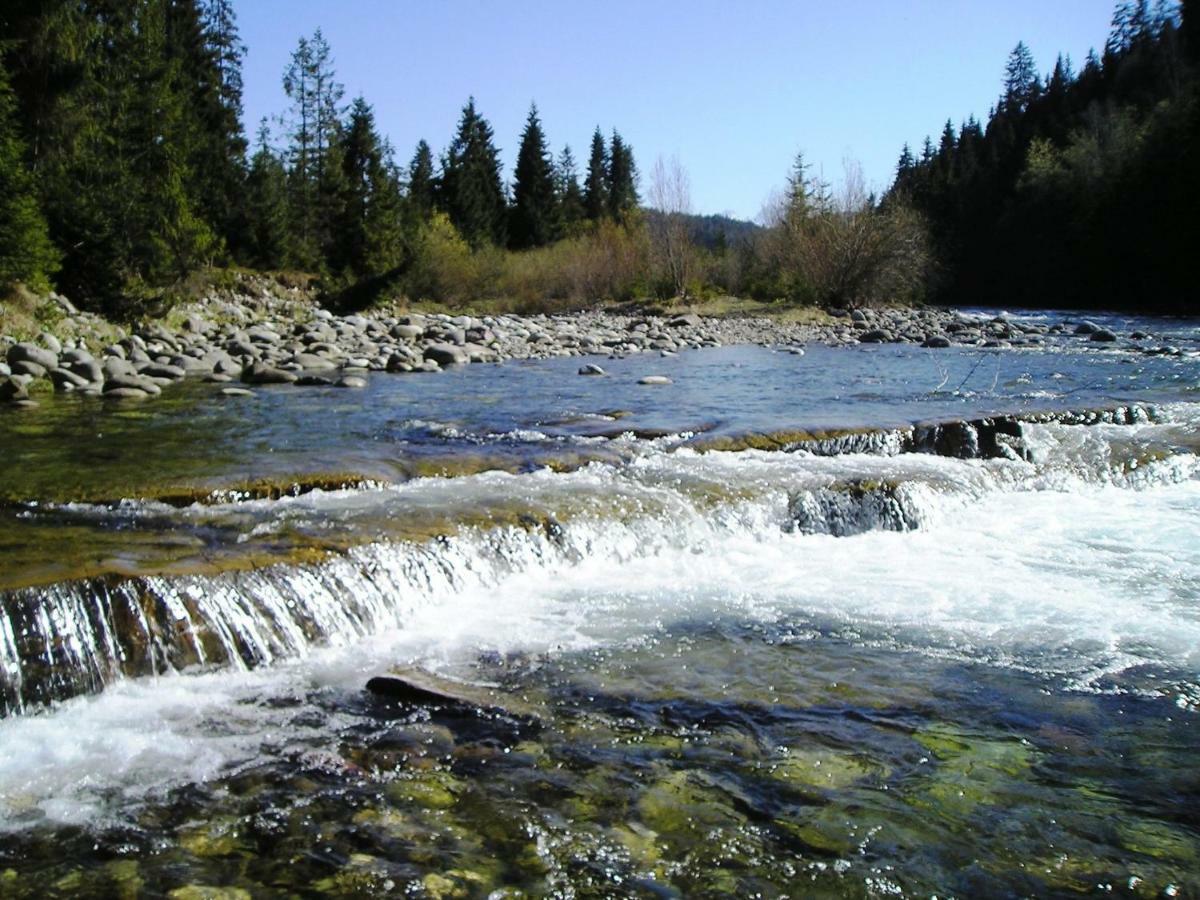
x=731 y=88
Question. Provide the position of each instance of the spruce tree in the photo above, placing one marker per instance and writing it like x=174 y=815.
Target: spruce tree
x=366 y=234
x=534 y=217
x=313 y=173
x=265 y=206
x=422 y=184
x=595 y=190
x=622 y=179
x=566 y=188
x=1020 y=79
x=473 y=192
x=26 y=253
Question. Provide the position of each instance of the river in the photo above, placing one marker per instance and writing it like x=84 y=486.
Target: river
x=853 y=622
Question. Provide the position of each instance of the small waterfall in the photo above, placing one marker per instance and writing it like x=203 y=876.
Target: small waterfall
x=75 y=637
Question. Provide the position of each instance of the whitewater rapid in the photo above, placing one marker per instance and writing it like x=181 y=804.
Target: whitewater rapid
x=1077 y=563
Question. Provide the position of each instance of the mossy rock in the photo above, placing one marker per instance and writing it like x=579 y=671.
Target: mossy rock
x=455 y=884
x=125 y=879
x=969 y=771
x=683 y=804
x=362 y=876
x=211 y=839
x=427 y=790
x=1160 y=841
x=823 y=768
x=208 y=892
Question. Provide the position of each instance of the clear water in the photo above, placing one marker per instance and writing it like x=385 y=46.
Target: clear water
x=685 y=692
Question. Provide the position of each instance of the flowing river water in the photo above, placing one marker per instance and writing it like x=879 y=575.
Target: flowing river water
x=858 y=622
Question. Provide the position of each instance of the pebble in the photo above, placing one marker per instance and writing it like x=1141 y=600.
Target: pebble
x=236 y=392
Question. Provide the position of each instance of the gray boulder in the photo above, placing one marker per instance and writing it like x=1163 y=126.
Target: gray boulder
x=445 y=354
x=264 y=374
x=12 y=391
x=32 y=353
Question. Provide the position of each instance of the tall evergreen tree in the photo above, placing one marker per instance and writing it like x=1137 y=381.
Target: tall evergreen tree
x=313 y=171
x=422 y=183
x=26 y=253
x=472 y=189
x=366 y=235
x=534 y=217
x=595 y=188
x=622 y=179
x=566 y=188
x=1020 y=79
x=265 y=209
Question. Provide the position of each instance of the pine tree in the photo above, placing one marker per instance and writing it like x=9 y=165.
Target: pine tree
x=1020 y=79
x=387 y=234
x=534 y=217
x=622 y=179
x=311 y=84
x=595 y=189
x=265 y=210
x=366 y=239
x=219 y=158
x=26 y=253
x=567 y=190
x=472 y=188
x=422 y=184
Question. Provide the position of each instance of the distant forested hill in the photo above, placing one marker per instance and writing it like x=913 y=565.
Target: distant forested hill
x=1082 y=188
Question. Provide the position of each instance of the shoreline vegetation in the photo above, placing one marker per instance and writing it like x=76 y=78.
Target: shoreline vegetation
x=125 y=176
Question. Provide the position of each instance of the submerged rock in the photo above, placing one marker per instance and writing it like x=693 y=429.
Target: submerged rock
x=591 y=369
x=655 y=379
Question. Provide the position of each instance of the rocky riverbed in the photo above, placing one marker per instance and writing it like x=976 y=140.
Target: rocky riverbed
x=262 y=335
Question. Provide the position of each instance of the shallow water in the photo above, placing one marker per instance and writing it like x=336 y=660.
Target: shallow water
x=704 y=673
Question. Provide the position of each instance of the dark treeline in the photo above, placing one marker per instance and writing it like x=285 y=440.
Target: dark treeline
x=124 y=167
x=1081 y=189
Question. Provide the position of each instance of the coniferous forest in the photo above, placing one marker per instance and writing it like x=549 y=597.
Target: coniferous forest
x=124 y=168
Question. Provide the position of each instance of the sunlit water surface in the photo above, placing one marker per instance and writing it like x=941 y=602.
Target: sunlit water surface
x=704 y=673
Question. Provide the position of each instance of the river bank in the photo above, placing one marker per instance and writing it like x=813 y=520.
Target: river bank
x=262 y=332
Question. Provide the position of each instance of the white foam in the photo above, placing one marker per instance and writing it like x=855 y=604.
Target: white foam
x=1055 y=567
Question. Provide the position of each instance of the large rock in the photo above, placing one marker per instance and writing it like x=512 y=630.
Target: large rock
x=142 y=383
x=27 y=352
x=115 y=367
x=313 y=362
x=66 y=380
x=264 y=374
x=1103 y=335
x=446 y=354
x=408 y=333
x=12 y=391
x=30 y=368
x=157 y=370
x=875 y=336
x=687 y=320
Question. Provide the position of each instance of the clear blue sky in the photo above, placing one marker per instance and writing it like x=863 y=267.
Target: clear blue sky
x=732 y=88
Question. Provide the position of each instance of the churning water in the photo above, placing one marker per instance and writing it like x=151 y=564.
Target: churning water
x=877 y=621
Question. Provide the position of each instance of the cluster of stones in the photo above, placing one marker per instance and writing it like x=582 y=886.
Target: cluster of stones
x=258 y=337
x=937 y=328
